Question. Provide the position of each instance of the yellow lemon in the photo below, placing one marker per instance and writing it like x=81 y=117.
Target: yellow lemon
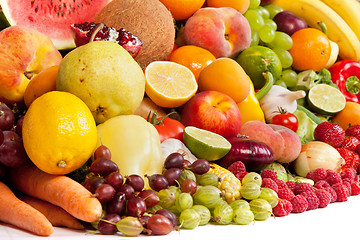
x=59 y=132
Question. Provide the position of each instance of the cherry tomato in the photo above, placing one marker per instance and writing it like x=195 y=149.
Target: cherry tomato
x=167 y=127
x=286 y=119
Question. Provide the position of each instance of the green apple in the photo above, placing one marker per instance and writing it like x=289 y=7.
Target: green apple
x=105 y=76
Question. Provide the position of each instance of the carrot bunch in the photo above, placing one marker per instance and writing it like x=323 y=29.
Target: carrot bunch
x=46 y=201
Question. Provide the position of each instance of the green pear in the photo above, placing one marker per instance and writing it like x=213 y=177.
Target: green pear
x=105 y=76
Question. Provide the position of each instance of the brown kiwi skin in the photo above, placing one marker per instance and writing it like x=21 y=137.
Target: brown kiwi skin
x=149 y=20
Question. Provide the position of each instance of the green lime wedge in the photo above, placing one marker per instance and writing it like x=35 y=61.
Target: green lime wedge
x=325 y=99
x=205 y=144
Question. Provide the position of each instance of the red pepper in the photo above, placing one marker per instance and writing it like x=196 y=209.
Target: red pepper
x=346 y=74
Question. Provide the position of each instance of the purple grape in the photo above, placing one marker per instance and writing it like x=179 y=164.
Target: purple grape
x=136 y=181
x=105 y=193
x=128 y=190
x=103 y=167
x=157 y=182
x=12 y=152
x=19 y=125
x=174 y=160
x=150 y=197
x=159 y=225
x=288 y=22
x=93 y=183
x=1 y=137
x=109 y=228
x=188 y=186
x=115 y=179
x=117 y=204
x=170 y=215
x=172 y=175
x=200 y=166
x=102 y=152
x=7 y=117
x=136 y=207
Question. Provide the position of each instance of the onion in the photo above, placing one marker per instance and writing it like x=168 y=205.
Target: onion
x=317 y=154
x=253 y=153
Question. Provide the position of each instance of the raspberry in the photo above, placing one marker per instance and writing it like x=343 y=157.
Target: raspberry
x=332 y=194
x=357 y=178
x=237 y=167
x=299 y=204
x=291 y=185
x=355 y=188
x=285 y=193
x=341 y=192
x=333 y=177
x=313 y=200
x=324 y=197
x=283 y=208
x=347 y=184
x=350 y=143
x=303 y=187
x=317 y=174
x=280 y=183
x=269 y=183
x=269 y=174
x=240 y=175
x=321 y=184
x=348 y=173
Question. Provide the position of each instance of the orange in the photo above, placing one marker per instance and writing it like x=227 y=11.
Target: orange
x=240 y=5
x=227 y=76
x=193 y=57
x=311 y=49
x=350 y=115
x=43 y=82
x=182 y=9
x=59 y=132
x=169 y=84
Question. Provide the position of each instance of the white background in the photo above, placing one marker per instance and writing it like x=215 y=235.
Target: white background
x=336 y=221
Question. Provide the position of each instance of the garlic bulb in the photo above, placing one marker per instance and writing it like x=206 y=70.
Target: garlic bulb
x=317 y=154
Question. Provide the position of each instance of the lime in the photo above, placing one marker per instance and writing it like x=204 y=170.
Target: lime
x=325 y=99
x=256 y=60
x=205 y=144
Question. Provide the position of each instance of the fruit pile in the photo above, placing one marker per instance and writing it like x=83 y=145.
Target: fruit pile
x=176 y=114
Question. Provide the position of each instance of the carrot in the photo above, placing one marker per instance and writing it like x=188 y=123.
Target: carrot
x=22 y=215
x=56 y=215
x=59 y=190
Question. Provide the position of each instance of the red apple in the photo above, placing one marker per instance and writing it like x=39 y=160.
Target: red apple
x=224 y=31
x=213 y=111
x=24 y=53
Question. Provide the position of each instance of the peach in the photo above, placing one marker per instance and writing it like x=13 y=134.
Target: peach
x=24 y=53
x=223 y=31
x=285 y=143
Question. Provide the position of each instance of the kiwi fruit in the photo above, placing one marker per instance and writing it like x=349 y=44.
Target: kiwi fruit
x=149 y=20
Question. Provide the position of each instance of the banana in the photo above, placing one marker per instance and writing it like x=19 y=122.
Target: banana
x=313 y=11
x=349 y=10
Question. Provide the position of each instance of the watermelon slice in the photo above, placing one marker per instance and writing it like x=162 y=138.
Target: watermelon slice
x=51 y=17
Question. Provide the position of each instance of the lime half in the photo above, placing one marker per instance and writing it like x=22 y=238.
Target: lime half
x=205 y=144
x=325 y=99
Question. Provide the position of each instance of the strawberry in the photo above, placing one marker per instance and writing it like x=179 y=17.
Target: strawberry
x=330 y=133
x=354 y=131
x=351 y=158
x=350 y=143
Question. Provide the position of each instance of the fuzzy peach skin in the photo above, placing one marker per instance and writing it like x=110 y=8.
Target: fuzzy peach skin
x=285 y=143
x=223 y=31
x=24 y=52
x=213 y=111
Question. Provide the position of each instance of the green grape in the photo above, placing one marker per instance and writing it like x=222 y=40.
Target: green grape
x=184 y=201
x=250 y=190
x=284 y=56
x=204 y=214
x=240 y=203
x=261 y=208
x=252 y=177
x=185 y=174
x=243 y=216
x=167 y=198
x=208 y=178
x=269 y=195
x=189 y=219
x=280 y=83
x=266 y=34
x=255 y=19
x=223 y=214
x=255 y=39
x=290 y=77
x=281 y=40
x=263 y=12
x=270 y=23
x=209 y=196
x=254 y=4
x=273 y=10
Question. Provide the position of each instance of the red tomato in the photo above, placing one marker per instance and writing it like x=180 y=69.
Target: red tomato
x=286 y=119
x=167 y=127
